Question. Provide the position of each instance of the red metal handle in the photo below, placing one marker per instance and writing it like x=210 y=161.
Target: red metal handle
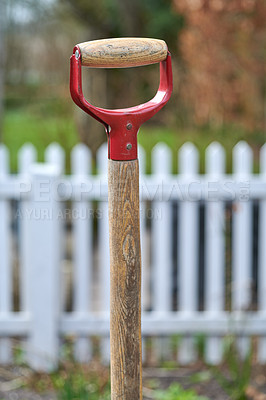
x=121 y=125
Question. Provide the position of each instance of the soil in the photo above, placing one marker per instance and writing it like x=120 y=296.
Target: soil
x=14 y=383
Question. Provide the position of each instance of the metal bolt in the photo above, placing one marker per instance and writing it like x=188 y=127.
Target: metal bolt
x=129 y=146
x=129 y=126
x=77 y=54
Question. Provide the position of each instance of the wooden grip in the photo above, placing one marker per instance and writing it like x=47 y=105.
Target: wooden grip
x=125 y=305
x=122 y=53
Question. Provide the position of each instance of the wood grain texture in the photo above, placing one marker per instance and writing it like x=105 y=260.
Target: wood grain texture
x=125 y=325
x=122 y=52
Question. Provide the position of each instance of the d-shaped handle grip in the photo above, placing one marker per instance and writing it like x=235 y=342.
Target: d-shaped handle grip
x=122 y=52
x=122 y=125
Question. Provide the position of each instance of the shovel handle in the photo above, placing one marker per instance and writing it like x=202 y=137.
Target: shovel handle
x=125 y=263
x=122 y=52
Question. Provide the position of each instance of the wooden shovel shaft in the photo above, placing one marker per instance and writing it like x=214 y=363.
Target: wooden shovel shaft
x=125 y=260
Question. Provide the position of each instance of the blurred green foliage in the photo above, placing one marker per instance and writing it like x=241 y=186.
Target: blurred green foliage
x=77 y=385
x=116 y=18
x=166 y=23
x=175 y=392
x=237 y=377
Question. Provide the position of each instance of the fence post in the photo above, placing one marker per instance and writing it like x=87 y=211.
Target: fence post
x=43 y=219
x=188 y=235
x=214 y=248
x=103 y=248
x=5 y=257
x=145 y=270
x=262 y=259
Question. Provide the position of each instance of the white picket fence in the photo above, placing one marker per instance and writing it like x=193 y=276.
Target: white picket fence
x=203 y=250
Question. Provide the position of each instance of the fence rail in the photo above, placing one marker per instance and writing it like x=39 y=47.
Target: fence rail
x=203 y=240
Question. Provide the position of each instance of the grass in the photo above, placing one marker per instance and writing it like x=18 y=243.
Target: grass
x=73 y=381
x=42 y=124
x=22 y=127
x=175 y=392
x=238 y=375
x=201 y=138
x=76 y=384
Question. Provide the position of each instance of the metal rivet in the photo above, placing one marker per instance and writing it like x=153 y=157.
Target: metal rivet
x=129 y=126
x=77 y=54
x=129 y=146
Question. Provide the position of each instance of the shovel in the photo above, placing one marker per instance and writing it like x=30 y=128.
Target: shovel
x=122 y=126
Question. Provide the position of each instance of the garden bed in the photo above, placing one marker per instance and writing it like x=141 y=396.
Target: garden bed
x=20 y=383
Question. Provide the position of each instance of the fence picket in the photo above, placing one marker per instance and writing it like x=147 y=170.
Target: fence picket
x=162 y=234
x=262 y=258
x=82 y=248
x=103 y=248
x=44 y=261
x=214 y=248
x=145 y=271
x=241 y=238
x=55 y=155
x=26 y=157
x=5 y=261
x=188 y=247
x=144 y=243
